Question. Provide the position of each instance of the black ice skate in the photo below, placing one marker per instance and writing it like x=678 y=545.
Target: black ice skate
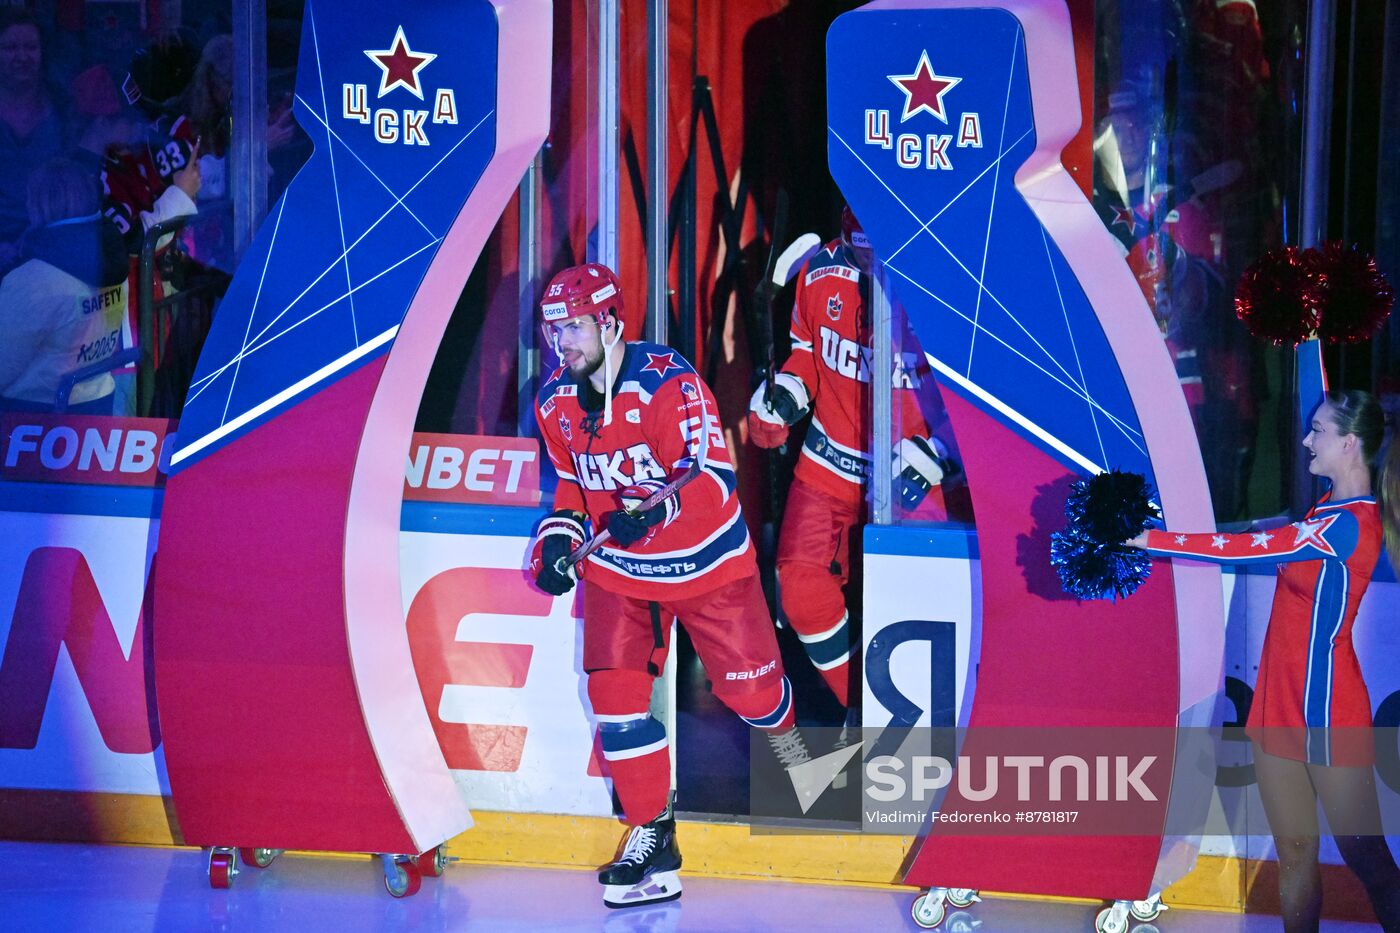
x=648 y=869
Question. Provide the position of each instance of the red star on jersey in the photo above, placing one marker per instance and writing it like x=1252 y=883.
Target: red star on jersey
x=1124 y=216
x=1310 y=531
x=924 y=89
x=400 y=65
x=660 y=363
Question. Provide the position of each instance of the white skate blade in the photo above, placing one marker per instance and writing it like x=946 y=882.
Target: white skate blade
x=662 y=886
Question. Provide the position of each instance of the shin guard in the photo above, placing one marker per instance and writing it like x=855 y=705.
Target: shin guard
x=634 y=743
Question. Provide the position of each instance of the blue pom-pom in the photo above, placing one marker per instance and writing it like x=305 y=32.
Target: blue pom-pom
x=1112 y=506
x=1103 y=512
x=1092 y=570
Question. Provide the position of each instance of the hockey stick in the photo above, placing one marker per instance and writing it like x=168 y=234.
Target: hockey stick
x=702 y=450
x=799 y=251
x=784 y=268
x=766 y=291
x=781 y=272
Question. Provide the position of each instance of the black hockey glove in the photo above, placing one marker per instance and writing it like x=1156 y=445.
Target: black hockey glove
x=628 y=526
x=559 y=535
x=790 y=400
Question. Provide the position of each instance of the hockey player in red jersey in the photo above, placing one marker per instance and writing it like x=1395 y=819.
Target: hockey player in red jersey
x=828 y=375
x=620 y=421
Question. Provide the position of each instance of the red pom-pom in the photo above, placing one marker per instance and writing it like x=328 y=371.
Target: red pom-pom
x=1277 y=296
x=1354 y=298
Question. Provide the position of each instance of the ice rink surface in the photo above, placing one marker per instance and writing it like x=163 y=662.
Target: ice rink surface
x=114 y=889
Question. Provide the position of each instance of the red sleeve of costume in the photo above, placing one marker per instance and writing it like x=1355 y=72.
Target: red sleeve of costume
x=567 y=495
x=680 y=410
x=1331 y=535
x=802 y=362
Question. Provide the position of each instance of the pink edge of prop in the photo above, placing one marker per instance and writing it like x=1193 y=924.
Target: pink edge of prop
x=390 y=697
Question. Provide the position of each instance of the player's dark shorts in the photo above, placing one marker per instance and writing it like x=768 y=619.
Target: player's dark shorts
x=729 y=626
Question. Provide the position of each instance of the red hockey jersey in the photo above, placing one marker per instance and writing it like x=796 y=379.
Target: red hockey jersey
x=133 y=181
x=660 y=406
x=831 y=354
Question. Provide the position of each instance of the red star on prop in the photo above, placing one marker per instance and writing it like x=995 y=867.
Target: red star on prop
x=400 y=65
x=660 y=363
x=924 y=89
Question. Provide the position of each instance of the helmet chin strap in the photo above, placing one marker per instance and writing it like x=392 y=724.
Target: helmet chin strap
x=608 y=370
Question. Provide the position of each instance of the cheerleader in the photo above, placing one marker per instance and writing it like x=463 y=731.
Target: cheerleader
x=1310 y=722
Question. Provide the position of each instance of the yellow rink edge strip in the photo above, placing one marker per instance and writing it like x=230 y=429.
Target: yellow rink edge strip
x=730 y=850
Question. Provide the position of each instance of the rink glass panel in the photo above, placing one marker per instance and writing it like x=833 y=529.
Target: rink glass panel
x=1197 y=139
x=84 y=53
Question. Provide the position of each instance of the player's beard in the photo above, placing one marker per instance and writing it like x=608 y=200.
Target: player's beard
x=587 y=364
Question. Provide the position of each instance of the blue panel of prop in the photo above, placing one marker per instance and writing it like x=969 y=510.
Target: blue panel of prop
x=929 y=117
x=399 y=100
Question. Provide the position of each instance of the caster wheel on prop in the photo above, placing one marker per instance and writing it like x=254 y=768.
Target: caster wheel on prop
x=223 y=867
x=1148 y=910
x=927 y=909
x=433 y=863
x=1112 y=919
x=401 y=876
x=963 y=897
x=258 y=858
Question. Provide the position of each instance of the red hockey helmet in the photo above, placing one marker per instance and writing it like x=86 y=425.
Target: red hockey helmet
x=851 y=233
x=589 y=290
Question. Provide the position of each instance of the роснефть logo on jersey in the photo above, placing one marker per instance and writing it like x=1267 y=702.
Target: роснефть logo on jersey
x=925 y=92
x=401 y=67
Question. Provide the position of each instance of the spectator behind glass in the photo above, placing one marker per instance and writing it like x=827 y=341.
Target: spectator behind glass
x=159 y=180
x=206 y=104
x=31 y=124
x=106 y=123
x=62 y=308
x=117 y=142
x=150 y=172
